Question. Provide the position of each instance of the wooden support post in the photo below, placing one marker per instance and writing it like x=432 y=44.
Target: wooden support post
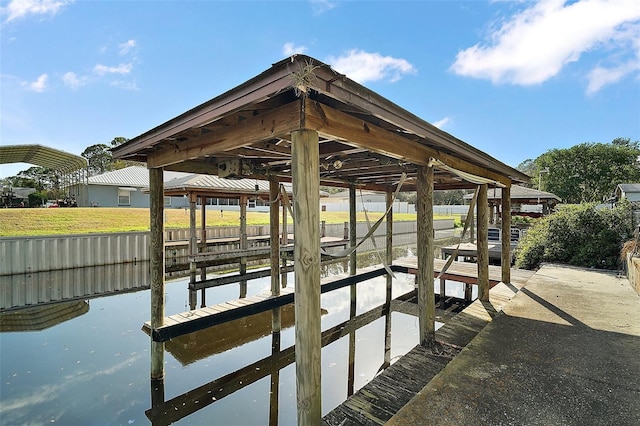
x=193 y=249
x=472 y=225
x=352 y=242
x=285 y=242
x=203 y=235
x=323 y=229
x=156 y=267
x=306 y=201
x=389 y=248
x=426 y=293
x=483 y=244
x=492 y=213
x=274 y=235
x=243 y=243
x=443 y=293
x=506 y=235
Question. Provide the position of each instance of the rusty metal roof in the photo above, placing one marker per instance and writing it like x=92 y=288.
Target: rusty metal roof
x=364 y=138
x=43 y=156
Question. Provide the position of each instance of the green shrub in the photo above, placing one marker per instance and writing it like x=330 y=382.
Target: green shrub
x=578 y=235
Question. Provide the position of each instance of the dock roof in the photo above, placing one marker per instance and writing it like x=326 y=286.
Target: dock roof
x=364 y=139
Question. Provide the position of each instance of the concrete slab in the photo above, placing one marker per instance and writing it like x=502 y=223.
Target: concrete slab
x=565 y=350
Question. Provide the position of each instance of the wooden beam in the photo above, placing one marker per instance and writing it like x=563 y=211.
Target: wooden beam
x=355 y=132
x=271 y=124
x=483 y=244
x=426 y=292
x=506 y=234
x=306 y=200
x=156 y=267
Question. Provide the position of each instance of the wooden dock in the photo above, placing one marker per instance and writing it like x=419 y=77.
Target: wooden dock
x=465 y=272
x=376 y=402
x=199 y=319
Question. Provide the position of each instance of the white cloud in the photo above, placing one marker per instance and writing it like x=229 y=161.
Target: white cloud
x=126 y=46
x=321 y=6
x=442 y=122
x=362 y=66
x=74 y=81
x=120 y=69
x=125 y=85
x=535 y=44
x=21 y=8
x=291 y=49
x=39 y=86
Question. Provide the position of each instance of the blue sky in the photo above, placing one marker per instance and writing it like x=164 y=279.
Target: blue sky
x=512 y=78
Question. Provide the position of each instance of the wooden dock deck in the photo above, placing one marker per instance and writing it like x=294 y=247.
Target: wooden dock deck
x=198 y=319
x=376 y=402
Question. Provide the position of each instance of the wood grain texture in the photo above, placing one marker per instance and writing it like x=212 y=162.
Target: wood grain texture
x=306 y=200
x=506 y=234
x=483 y=244
x=426 y=294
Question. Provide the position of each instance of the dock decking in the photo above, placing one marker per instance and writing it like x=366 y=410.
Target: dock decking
x=376 y=402
x=198 y=319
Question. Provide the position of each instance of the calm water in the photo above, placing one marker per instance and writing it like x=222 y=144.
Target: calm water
x=93 y=369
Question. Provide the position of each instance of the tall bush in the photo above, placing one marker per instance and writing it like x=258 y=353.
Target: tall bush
x=579 y=235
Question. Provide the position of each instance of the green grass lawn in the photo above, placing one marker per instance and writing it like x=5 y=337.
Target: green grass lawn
x=29 y=222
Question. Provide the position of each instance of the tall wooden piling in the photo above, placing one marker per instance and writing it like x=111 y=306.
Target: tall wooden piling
x=285 y=241
x=203 y=234
x=244 y=243
x=424 y=277
x=306 y=200
x=193 y=249
x=506 y=235
x=352 y=242
x=274 y=233
x=156 y=267
x=389 y=247
x=483 y=244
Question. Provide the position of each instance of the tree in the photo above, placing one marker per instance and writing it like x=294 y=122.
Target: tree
x=528 y=167
x=588 y=172
x=99 y=158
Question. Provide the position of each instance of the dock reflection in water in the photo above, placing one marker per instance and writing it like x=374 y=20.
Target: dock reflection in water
x=94 y=368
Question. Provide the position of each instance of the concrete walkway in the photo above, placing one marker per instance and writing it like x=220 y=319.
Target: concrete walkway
x=564 y=351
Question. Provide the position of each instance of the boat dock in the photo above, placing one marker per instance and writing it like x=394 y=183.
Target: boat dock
x=198 y=319
x=563 y=349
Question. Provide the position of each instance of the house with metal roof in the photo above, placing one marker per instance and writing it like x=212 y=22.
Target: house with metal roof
x=123 y=188
x=629 y=191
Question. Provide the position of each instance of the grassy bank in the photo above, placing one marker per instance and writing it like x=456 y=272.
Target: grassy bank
x=27 y=222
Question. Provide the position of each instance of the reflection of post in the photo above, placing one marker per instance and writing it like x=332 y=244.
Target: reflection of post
x=306 y=260
x=387 y=340
x=275 y=248
x=157 y=399
x=156 y=198
x=274 y=394
x=243 y=244
x=352 y=363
